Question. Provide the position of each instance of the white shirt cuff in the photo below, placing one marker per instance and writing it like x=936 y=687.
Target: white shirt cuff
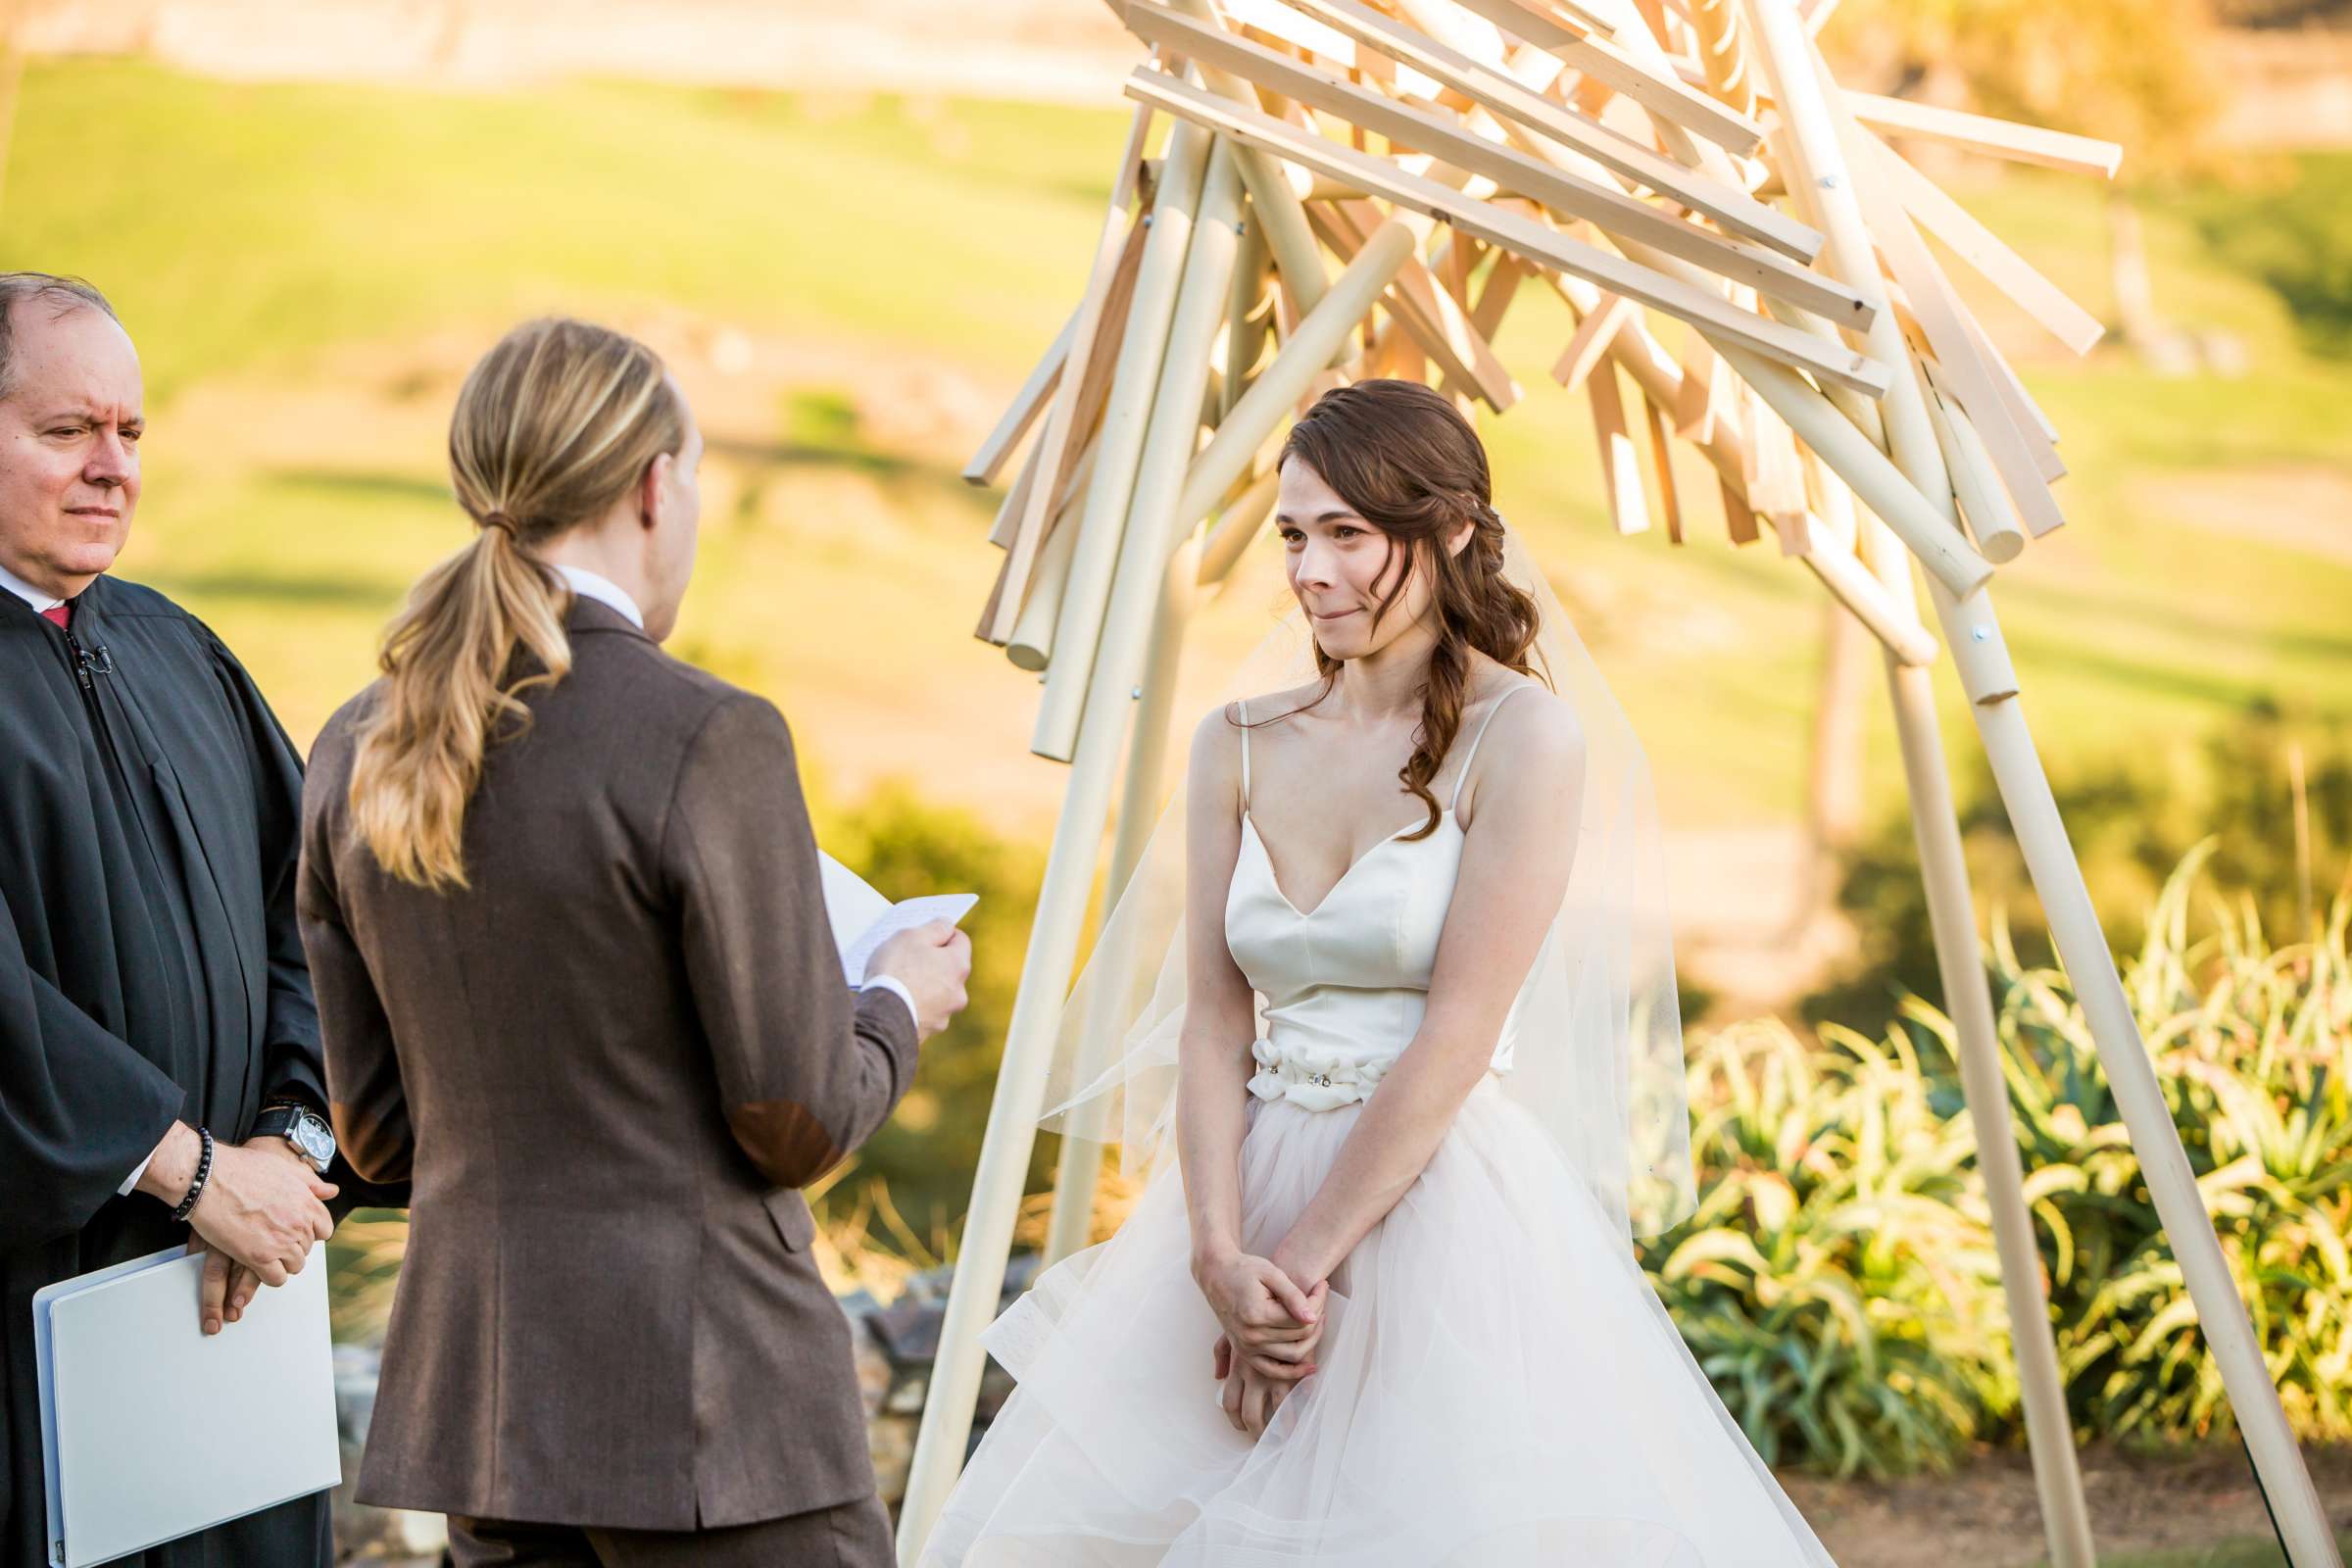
x=896 y=988
x=131 y=1181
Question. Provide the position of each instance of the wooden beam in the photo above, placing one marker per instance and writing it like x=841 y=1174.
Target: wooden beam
x=1513 y=232
x=1425 y=309
x=1111 y=250
x=1987 y=252
x=1590 y=344
x=1661 y=459
x=1022 y=412
x=1611 y=65
x=1494 y=298
x=1940 y=314
x=1509 y=99
x=1620 y=463
x=1981 y=133
x=1567 y=193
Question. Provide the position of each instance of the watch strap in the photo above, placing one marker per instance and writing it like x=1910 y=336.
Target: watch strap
x=277 y=1120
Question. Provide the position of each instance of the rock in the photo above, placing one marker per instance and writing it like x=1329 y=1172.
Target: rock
x=362 y=1531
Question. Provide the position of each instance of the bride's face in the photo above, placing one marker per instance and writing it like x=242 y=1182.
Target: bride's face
x=1341 y=566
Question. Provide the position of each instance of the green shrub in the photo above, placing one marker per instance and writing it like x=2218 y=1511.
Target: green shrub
x=1839 y=1282
x=907 y=846
x=1836 y=1281
x=2251 y=1045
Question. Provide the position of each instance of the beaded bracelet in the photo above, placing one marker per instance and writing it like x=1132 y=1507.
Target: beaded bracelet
x=204 y=1168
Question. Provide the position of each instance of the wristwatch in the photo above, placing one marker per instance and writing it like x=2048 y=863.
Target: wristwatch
x=312 y=1138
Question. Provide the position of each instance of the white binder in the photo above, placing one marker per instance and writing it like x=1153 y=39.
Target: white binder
x=150 y=1430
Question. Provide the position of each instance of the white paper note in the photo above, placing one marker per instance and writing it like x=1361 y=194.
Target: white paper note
x=864 y=920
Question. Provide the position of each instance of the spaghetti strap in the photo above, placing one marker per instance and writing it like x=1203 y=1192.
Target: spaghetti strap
x=1467 y=756
x=1242 y=707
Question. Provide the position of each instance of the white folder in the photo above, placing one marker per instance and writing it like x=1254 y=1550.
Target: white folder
x=151 y=1430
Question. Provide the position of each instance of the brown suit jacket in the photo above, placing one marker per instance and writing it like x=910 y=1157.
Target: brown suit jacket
x=605 y=1067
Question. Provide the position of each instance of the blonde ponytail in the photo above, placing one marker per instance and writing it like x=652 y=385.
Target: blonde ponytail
x=556 y=423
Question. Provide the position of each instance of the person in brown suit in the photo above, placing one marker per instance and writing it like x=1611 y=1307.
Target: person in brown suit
x=577 y=986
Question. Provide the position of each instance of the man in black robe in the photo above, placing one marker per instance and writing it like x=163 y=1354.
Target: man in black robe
x=151 y=981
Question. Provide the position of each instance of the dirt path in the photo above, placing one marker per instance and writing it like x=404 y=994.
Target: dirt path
x=1987 y=1515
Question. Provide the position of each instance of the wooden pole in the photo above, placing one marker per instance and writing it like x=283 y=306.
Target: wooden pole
x=1968 y=1002
x=1238 y=526
x=1064 y=423
x=1024 y=409
x=1981 y=657
x=1031 y=646
x=1168 y=445
x=1279 y=209
x=1120 y=445
x=1078 y=1170
x=1053 y=935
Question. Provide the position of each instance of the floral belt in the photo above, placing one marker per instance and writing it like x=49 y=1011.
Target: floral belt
x=1310 y=1079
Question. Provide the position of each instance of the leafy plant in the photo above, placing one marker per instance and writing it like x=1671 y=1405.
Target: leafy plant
x=1839 y=1282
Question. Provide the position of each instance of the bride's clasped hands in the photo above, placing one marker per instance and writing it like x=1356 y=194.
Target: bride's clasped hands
x=1270 y=1327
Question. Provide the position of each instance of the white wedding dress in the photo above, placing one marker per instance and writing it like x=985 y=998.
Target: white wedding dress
x=1496 y=1386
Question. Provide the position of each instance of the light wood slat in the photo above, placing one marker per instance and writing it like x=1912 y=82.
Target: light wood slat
x=1520 y=235
x=1022 y=412
x=1433 y=316
x=1507 y=98
x=1983 y=134
x=1053 y=443
x=2004 y=269
x=1594 y=335
x=1942 y=317
x=1661 y=464
x=1620 y=463
x=1561 y=190
x=1606 y=62
x=1008 y=522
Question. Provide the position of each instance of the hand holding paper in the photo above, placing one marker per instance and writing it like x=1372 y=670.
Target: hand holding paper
x=864 y=920
x=931 y=967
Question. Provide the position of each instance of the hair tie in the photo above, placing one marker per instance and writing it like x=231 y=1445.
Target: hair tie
x=497 y=518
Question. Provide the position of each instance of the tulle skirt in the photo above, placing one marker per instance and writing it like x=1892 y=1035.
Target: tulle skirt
x=1496 y=1386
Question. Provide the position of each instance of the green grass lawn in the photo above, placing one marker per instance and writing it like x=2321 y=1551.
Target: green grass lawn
x=284 y=252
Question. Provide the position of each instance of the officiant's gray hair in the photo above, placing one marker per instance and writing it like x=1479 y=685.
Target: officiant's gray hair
x=60 y=293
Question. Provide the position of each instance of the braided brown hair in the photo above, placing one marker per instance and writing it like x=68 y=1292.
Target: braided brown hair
x=1406 y=461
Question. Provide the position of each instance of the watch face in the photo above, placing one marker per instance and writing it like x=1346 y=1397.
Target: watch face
x=311 y=1136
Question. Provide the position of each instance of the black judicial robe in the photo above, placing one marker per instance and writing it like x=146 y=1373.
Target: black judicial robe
x=150 y=970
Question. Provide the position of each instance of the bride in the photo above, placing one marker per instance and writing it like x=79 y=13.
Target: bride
x=1426 y=1075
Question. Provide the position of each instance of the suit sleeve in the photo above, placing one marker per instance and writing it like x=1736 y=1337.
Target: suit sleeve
x=77 y=1106
x=807 y=1070
x=366 y=1097
x=291 y=1061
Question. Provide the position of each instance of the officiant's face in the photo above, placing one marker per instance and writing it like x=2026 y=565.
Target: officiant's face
x=69 y=431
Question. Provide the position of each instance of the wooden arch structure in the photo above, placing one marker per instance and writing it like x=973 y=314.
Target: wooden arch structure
x=1653 y=162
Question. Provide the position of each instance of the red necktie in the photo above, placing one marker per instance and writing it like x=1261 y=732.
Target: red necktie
x=62 y=615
